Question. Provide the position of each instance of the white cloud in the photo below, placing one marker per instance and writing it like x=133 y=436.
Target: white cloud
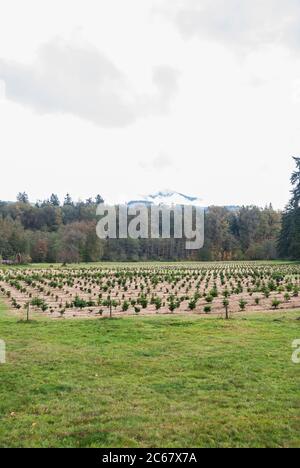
x=80 y=80
x=231 y=127
x=244 y=24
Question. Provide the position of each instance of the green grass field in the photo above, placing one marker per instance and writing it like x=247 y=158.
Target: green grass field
x=150 y=382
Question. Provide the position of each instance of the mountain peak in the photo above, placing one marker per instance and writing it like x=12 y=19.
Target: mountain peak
x=167 y=197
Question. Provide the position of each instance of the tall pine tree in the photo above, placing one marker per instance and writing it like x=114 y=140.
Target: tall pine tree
x=289 y=240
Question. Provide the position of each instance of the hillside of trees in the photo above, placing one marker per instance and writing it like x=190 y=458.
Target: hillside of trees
x=51 y=231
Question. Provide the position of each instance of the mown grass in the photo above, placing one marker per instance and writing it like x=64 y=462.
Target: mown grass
x=150 y=382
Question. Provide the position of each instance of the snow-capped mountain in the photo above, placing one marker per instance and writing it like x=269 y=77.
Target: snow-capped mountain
x=168 y=198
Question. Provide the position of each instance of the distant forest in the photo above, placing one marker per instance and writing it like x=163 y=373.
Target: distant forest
x=51 y=231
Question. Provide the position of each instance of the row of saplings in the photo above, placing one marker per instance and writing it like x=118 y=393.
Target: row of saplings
x=120 y=280
x=173 y=301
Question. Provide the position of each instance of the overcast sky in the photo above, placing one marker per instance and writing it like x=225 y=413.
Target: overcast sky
x=125 y=98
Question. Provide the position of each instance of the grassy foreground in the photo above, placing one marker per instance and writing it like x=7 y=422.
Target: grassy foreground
x=159 y=381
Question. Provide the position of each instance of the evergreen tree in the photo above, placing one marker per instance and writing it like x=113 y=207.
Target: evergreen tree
x=22 y=197
x=54 y=200
x=68 y=200
x=289 y=239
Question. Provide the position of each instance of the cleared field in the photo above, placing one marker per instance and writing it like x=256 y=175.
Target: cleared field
x=143 y=289
x=173 y=381
x=156 y=374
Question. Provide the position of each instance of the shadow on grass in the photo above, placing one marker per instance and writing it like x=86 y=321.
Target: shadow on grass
x=27 y=321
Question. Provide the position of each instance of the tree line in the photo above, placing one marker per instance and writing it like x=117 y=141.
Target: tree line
x=51 y=231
